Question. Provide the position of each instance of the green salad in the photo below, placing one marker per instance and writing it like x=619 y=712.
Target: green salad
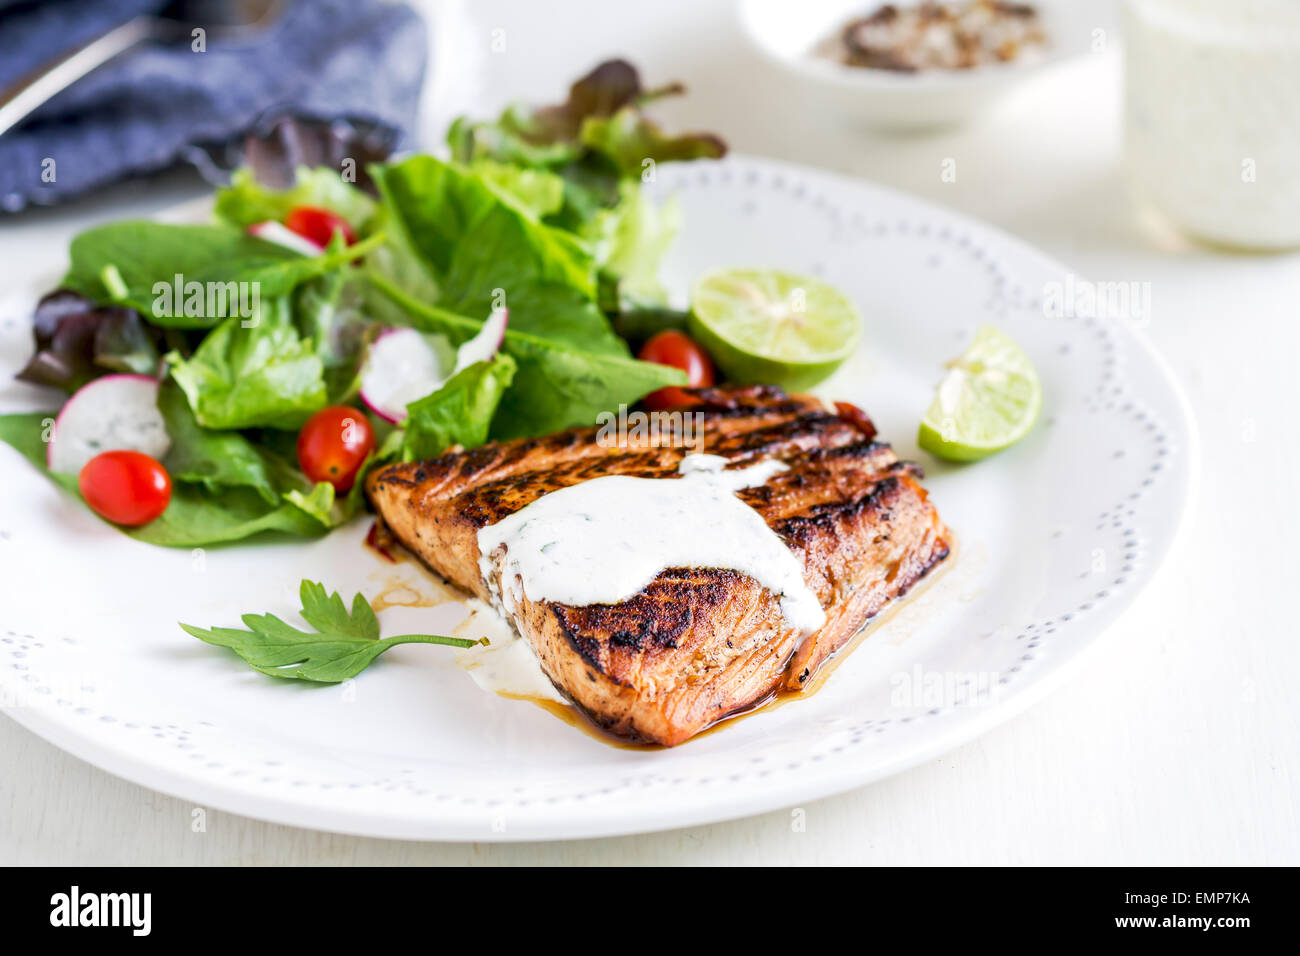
x=242 y=377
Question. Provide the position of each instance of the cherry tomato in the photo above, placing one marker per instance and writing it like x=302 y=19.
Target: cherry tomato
x=319 y=225
x=126 y=487
x=680 y=351
x=333 y=444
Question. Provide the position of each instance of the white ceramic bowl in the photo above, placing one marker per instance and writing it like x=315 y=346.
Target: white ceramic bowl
x=785 y=32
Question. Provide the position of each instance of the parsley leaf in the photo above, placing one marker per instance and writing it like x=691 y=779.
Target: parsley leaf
x=343 y=646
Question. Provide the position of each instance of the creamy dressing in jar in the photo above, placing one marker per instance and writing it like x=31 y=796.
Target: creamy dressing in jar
x=1212 y=126
x=604 y=540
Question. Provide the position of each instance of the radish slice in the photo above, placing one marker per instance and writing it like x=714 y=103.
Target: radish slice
x=404 y=366
x=113 y=413
x=282 y=235
x=483 y=346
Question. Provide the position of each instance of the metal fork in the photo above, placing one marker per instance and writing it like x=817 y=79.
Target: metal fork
x=220 y=18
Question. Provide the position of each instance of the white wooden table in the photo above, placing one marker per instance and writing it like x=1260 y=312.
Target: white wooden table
x=1176 y=742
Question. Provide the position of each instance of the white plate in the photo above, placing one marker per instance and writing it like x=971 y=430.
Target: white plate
x=786 y=33
x=1055 y=538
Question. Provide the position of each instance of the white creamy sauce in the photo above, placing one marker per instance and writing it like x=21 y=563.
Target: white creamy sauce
x=604 y=540
x=507 y=664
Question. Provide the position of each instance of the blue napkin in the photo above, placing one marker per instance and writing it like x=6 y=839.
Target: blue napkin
x=360 y=61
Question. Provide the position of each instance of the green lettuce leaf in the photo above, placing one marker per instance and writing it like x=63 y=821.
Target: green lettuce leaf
x=603 y=112
x=460 y=412
x=632 y=141
x=514 y=138
x=246 y=201
x=556 y=385
x=631 y=240
x=534 y=191
x=265 y=374
x=598 y=136
x=321 y=503
x=599 y=142
x=329 y=311
x=485 y=252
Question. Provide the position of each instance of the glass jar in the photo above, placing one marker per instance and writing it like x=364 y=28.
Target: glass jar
x=1212 y=116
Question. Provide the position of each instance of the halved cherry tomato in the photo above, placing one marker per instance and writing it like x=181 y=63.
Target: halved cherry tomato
x=333 y=445
x=126 y=487
x=680 y=351
x=319 y=225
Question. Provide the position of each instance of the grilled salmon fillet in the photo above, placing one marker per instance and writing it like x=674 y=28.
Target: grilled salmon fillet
x=697 y=644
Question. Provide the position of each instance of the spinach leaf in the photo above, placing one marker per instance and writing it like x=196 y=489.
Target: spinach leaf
x=198 y=518
x=460 y=412
x=137 y=263
x=214 y=459
x=29 y=433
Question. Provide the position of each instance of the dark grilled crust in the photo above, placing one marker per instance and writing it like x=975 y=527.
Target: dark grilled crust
x=498 y=479
x=697 y=644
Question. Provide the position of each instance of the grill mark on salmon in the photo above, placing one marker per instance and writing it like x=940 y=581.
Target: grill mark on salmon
x=697 y=644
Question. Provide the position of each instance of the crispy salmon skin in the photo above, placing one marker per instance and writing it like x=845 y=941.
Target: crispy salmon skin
x=697 y=644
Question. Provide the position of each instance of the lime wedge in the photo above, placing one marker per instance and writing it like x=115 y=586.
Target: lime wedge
x=774 y=328
x=987 y=401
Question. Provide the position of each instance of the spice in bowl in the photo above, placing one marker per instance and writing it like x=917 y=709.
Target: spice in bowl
x=938 y=36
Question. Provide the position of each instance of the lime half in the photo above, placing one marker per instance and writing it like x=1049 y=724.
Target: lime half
x=774 y=328
x=987 y=401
